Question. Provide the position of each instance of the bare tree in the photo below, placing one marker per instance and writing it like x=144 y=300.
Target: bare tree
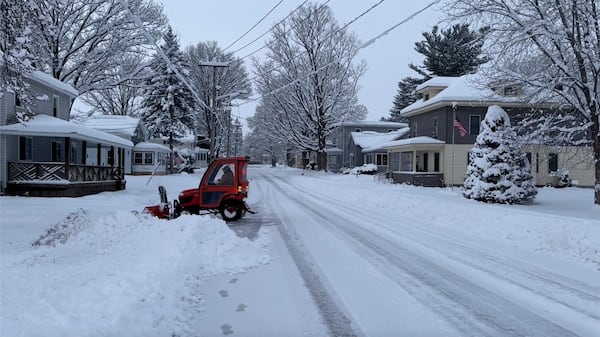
x=552 y=46
x=123 y=90
x=84 y=40
x=308 y=82
x=16 y=57
x=218 y=85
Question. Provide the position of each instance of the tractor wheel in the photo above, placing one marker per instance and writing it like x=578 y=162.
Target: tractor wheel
x=231 y=211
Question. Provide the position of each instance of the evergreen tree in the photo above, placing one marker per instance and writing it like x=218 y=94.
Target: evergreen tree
x=452 y=52
x=167 y=102
x=498 y=171
x=406 y=96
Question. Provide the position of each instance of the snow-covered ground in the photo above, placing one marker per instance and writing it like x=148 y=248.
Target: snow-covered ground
x=96 y=266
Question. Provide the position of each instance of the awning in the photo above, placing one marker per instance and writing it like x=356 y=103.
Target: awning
x=48 y=126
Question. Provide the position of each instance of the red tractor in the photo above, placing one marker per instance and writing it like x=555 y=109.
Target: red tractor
x=223 y=188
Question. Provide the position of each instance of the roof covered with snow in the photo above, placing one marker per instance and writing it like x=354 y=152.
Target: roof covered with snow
x=372 y=141
x=113 y=124
x=54 y=83
x=151 y=146
x=48 y=126
x=414 y=141
x=467 y=88
x=392 y=125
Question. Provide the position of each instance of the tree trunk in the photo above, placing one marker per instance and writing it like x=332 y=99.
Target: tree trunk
x=596 y=136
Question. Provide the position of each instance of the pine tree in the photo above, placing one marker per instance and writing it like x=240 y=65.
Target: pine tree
x=452 y=52
x=406 y=96
x=168 y=103
x=498 y=171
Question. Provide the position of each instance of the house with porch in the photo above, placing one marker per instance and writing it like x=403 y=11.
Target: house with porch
x=369 y=147
x=444 y=125
x=352 y=156
x=49 y=155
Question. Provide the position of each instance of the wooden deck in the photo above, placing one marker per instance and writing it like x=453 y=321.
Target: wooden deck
x=51 y=179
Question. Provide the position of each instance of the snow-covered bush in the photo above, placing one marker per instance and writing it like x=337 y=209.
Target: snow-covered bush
x=498 y=170
x=364 y=169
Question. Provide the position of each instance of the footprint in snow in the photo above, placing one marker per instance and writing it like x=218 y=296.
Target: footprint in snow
x=233 y=280
x=227 y=329
x=241 y=307
x=223 y=293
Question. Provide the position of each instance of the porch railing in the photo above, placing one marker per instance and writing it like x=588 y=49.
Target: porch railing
x=54 y=172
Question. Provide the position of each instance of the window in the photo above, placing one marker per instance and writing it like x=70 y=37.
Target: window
x=426 y=97
x=381 y=159
x=474 y=123
x=57 y=151
x=406 y=161
x=436 y=162
x=138 y=158
x=148 y=160
x=55 y=106
x=17 y=100
x=395 y=161
x=511 y=90
x=552 y=162
x=25 y=148
x=415 y=129
x=369 y=159
x=435 y=128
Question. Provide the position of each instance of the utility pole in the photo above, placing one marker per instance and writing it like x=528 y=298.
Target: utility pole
x=212 y=120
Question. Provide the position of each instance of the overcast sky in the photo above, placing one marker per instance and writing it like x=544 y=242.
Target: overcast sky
x=387 y=59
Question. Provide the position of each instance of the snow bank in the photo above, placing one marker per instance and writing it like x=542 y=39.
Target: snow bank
x=126 y=273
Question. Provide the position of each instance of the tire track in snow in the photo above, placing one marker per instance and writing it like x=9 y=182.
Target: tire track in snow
x=562 y=292
x=457 y=299
x=336 y=321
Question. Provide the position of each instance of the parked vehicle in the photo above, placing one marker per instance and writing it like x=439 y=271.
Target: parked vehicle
x=222 y=189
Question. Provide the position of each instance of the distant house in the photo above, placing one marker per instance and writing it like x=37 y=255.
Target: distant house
x=126 y=127
x=436 y=154
x=51 y=156
x=150 y=158
x=369 y=147
x=342 y=138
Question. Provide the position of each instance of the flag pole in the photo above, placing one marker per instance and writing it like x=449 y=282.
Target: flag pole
x=453 y=131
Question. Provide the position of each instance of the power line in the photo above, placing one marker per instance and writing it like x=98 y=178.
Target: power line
x=265 y=33
x=268 y=44
x=323 y=40
x=256 y=24
x=363 y=46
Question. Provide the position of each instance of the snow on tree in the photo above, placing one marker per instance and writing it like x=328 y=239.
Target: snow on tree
x=498 y=171
x=86 y=39
x=16 y=57
x=218 y=84
x=122 y=94
x=261 y=140
x=552 y=46
x=455 y=51
x=308 y=81
x=168 y=103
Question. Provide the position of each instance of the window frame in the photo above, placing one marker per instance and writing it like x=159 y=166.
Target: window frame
x=471 y=124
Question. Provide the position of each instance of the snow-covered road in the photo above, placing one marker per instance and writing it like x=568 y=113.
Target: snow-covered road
x=326 y=255
x=420 y=280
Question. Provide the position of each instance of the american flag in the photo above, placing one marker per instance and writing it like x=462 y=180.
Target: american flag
x=461 y=128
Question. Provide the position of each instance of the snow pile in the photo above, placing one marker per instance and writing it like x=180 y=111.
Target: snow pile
x=123 y=273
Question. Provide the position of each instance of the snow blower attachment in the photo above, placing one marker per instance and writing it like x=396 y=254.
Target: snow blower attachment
x=223 y=188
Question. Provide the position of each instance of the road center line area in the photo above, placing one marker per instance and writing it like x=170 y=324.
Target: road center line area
x=356 y=260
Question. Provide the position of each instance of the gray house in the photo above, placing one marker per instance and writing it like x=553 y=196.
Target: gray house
x=436 y=154
x=51 y=156
x=351 y=155
x=369 y=147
